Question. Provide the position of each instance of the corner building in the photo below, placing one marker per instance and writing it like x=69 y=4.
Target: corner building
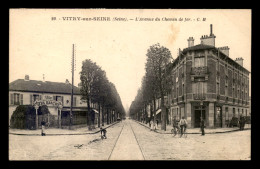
x=208 y=83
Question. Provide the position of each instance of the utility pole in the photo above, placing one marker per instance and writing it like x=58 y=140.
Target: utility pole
x=72 y=71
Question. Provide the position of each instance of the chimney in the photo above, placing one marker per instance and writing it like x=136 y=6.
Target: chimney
x=26 y=78
x=211 y=30
x=43 y=78
x=190 y=42
x=208 y=40
x=239 y=61
x=225 y=50
x=67 y=81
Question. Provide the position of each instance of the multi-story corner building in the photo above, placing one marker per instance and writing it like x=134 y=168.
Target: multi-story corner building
x=52 y=94
x=208 y=83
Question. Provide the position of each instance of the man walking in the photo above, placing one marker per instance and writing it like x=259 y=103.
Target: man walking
x=202 y=126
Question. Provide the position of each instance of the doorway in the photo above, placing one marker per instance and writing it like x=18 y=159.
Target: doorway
x=198 y=114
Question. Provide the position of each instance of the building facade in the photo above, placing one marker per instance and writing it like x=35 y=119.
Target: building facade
x=52 y=94
x=208 y=83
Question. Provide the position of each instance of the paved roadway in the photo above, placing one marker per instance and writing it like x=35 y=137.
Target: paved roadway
x=131 y=141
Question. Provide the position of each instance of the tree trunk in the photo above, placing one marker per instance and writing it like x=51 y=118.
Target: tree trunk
x=107 y=117
x=89 y=115
x=103 y=120
x=163 y=113
x=154 y=117
x=98 y=114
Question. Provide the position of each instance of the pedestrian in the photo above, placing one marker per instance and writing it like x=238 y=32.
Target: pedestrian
x=43 y=128
x=183 y=124
x=103 y=133
x=151 y=125
x=157 y=123
x=202 y=126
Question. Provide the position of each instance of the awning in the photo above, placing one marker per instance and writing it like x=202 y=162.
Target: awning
x=95 y=111
x=158 y=111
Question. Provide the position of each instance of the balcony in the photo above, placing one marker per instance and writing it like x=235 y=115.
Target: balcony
x=199 y=96
x=198 y=71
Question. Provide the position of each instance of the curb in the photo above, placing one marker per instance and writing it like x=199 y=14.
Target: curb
x=218 y=132
x=65 y=134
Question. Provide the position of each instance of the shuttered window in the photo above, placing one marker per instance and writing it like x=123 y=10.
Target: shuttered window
x=12 y=98
x=21 y=99
x=62 y=99
x=74 y=101
x=31 y=99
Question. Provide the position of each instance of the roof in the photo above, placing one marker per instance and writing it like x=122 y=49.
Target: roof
x=43 y=87
x=198 y=47
x=204 y=47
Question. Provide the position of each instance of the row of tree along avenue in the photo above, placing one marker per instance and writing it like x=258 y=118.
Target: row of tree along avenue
x=155 y=84
x=96 y=88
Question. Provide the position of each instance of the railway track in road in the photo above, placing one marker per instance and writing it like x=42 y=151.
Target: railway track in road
x=126 y=146
x=116 y=142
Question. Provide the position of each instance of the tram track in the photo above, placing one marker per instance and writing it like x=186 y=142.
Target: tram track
x=135 y=138
x=137 y=141
x=116 y=142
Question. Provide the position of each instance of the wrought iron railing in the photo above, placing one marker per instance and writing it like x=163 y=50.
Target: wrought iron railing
x=199 y=96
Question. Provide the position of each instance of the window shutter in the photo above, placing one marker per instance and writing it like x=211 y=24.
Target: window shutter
x=12 y=99
x=74 y=101
x=40 y=97
x=31 y=99
x=21 y=99
x=54 y=97
x=62 y=100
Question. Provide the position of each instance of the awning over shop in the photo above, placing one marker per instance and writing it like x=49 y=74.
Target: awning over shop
x=74 y=109
x=158 y=111
x=95 y=111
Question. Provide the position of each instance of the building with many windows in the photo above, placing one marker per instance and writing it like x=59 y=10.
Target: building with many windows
x=208 y=83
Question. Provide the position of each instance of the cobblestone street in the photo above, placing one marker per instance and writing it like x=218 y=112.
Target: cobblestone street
x=152 y=145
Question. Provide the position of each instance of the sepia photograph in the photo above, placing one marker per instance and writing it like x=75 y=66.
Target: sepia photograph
x=129 y=84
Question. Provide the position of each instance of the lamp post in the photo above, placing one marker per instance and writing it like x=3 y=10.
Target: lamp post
x=36 y=117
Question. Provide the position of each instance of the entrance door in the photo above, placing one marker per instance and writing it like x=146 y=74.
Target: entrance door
x=198 y=114
x=218 y=117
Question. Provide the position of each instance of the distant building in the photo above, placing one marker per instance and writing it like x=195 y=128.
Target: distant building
x=28 y=92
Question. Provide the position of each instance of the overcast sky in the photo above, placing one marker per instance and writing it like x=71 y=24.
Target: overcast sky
x=40 y=46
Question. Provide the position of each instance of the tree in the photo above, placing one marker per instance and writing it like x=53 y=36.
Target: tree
x=158 y=58
x=89 y=76
x=96 y=88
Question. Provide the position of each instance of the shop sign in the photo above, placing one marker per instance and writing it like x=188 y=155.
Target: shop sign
x=47 y=102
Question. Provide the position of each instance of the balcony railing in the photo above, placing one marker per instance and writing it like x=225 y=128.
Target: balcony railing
x=199 y=96
x=199 y=70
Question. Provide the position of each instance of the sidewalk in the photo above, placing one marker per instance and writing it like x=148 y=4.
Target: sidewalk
x=196 y=130
x=57 y=131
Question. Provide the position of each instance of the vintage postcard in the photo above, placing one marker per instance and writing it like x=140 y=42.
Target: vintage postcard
x=129 y=84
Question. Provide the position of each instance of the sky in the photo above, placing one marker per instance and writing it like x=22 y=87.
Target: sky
x=40 y=45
